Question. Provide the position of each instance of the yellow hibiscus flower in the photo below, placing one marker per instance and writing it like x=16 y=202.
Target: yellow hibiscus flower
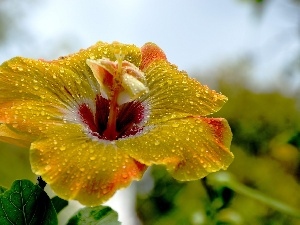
x=95 y=120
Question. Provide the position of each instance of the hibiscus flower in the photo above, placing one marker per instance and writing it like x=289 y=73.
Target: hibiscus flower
x=95 y=120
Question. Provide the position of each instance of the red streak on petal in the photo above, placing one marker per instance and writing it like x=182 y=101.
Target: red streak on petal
x=87 y=117
x=102 y=111
x=151 y=52
x=128 y=119
x=217 y=126
x=130 y=115
x=140 y=166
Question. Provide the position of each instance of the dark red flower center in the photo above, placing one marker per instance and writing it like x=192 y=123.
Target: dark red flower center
x=129 y=119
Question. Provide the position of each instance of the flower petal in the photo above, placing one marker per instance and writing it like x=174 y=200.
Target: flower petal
x=27 y=79
x=150 y=53
x=13 y=136
x=79 y=166
x=190 y=148
x=34 y=94
x=172 y=94
x=29 y=87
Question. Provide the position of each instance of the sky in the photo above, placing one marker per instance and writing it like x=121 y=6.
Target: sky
x=191 y=34
x=196 y=35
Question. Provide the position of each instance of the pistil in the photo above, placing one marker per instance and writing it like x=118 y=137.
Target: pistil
x=120 y=82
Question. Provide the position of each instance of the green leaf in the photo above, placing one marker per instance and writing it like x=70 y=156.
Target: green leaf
x=2 y=189
x=95 y=216
x=59 y=203
x=26 y=203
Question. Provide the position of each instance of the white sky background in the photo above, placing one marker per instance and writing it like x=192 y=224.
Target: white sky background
x=195 y=34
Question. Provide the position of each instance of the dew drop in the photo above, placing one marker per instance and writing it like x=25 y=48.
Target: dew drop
x=48 y=167
x=78 y=81
x=175 y=125
x=156 y=142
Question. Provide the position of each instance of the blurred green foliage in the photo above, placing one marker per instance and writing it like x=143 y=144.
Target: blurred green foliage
x=14 y=164
x=266 y=137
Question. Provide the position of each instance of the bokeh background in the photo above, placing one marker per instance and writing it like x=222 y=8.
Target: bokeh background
x=247 y=49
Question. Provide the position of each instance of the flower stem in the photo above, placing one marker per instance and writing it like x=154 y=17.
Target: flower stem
x=228 y=180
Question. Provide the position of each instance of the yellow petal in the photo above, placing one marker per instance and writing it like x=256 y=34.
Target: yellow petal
x=30 y=117
x=172 y=94
x=27 y=79
x=60 y=85
x=82 y=167
x=11 y=135
x=190 y=148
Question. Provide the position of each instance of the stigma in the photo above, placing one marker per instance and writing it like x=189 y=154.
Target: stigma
x=119 y=80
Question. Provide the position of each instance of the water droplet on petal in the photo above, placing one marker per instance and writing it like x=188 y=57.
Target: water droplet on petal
x=156 y=142
x=175 y=125
x=48 y=167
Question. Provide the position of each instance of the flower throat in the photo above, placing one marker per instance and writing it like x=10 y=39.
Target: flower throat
x=118 y=111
